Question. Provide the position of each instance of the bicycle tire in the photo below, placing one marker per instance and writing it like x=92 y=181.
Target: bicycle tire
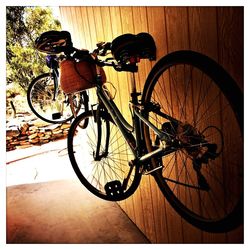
x=197 y=209
x=112 y=169
x=40 y=99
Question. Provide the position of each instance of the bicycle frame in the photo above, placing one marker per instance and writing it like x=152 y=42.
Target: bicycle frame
x=55 y=74
x=138 y=119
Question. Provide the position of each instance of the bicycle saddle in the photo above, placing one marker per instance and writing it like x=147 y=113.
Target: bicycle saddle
x=54 y=42
x=129 y=48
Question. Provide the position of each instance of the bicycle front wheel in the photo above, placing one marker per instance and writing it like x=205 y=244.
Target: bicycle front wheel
x=48 y=102
x=107 y=174
x=199 y=107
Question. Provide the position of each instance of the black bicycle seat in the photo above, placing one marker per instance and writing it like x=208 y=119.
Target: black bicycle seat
x=129 y=48
x=54 y=42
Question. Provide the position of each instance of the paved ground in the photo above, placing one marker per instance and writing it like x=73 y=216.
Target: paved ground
x=39 y=164
x=47 y=204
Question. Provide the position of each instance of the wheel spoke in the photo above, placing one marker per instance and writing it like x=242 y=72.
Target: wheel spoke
x=207 y=132
x=109 y=168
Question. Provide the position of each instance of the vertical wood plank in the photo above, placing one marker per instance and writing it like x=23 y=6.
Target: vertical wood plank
x=177 y=28
x=87 y=15
x=83 y=28
x=140 y=25
x=203 y=38
x=106 y=30
x=178 y=39
x=128 y=27
x=74 y=30
x=98 y=24
x=156 y=16
x=82 y=38
x=118 y=80
x=63 y=18
x=203 y=30
x=230 y=40
x=140 y=16
x=156 y=21
x=137 y=197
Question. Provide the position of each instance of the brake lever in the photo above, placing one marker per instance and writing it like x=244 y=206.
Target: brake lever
x=102 y=48
x=80 y=54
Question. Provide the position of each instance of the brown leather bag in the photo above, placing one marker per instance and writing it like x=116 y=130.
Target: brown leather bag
x=78 y=76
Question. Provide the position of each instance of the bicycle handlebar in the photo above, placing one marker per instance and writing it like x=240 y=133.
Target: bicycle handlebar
x=93 y=57
x=102 y=50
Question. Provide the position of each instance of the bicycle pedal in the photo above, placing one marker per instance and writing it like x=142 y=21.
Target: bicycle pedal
x=114 y=189
x=56 y=116
x=152 y=170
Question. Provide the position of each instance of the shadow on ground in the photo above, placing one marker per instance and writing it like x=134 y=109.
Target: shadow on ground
x=46 y=203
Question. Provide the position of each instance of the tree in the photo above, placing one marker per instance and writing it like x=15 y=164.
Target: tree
x=15 y=25
x=23 y=26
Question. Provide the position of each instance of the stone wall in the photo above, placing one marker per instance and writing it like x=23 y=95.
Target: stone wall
x=24 y=134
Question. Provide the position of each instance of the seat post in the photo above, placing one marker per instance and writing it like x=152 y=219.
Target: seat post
x=132 y=82
x=134 y=94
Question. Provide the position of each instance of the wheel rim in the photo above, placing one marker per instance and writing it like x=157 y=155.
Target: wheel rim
x=113 y=168
x=188 y=99
x=44 y=105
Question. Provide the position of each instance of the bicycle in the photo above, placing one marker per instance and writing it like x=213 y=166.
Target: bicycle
x=47 y=100
x=187 y=132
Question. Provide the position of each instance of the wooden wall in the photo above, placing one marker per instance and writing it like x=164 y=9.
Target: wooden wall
x=216 y=32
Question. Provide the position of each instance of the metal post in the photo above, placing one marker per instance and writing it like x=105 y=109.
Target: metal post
x=132 y=84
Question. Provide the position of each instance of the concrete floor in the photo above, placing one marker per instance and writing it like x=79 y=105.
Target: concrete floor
x=60 y=209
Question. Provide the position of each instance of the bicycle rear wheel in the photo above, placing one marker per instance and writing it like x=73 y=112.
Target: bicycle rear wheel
x=50 y=104
x=108 y=176
x=193 y=100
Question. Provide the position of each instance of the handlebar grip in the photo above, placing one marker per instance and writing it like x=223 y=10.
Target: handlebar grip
x=83 y=55
x=102 y=48
x=108 y=46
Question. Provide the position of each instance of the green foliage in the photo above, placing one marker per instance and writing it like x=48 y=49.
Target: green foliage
x=24 y=25
x=15 y=25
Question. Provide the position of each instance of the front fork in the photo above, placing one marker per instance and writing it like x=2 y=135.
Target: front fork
x=54 y=74
x=98 y=155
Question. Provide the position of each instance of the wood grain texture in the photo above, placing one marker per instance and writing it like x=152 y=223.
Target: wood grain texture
x=230 y=40
x=203 y=30
x=177 y=28
x=216 y=32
